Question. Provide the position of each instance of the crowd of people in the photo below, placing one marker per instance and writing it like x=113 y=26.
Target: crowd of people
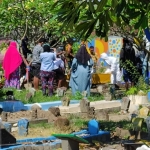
x=48 y=64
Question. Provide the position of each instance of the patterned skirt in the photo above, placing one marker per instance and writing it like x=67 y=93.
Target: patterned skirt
x=14 y=80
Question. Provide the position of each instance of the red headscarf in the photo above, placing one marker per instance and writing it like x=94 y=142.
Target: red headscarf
x=12 y=59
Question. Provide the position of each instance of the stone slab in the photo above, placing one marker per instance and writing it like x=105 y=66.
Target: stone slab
x=116 y=117
x=45 y=120
x=97 y=105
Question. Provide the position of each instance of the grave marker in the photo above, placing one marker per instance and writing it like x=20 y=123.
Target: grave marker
x=125 y=103
x=144 y=112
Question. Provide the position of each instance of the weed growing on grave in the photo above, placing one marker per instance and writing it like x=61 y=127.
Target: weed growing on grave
x=96 y=97
x=78 y=122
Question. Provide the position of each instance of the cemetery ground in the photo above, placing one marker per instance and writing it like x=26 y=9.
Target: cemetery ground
x=118 y=122
x=44 y=129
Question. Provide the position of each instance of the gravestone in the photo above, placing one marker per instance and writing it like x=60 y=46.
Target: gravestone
x=60 y=92
x=32 y=91
x=4 y=116
x=23 y=127
x=107 y=96
x=100 y=88
x=55 y=111
x=28 y=96
x=65 y=101
x=91 y=112
x=84 y=105
x=36 y=106
x=143 y=112
x=61 y=122
x=28 y=86
x=125 y=103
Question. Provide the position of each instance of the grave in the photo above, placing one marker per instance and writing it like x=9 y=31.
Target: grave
x=125 y=104
x=71 y=141
x=143 y=112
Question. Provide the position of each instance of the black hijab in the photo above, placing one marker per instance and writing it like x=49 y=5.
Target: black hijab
x=46 y=48
x=82 y=55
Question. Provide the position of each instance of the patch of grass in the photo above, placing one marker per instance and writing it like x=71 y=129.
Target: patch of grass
x=21 y=95
x=44 y=129
x=96 y=97
x=41 y=125
x=38 y=98
x=78 y=122
x=111 y=125
x=93 y=97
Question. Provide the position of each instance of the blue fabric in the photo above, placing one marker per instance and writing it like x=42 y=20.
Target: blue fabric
x=47 y=61
x=93 y=127
x=148 y=95
x=80 y=77
x=12 y=106
x=147 y=33
x=127 y=76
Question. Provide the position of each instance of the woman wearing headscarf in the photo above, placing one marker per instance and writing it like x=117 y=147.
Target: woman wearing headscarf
x=12 y=61
x=81 y=71
x=113 y=67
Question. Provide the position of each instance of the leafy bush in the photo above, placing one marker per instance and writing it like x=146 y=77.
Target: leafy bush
x=141 y=88
x=132 y=91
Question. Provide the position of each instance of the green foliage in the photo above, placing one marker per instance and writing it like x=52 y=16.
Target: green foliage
x=75 y=47
x=21 y=95
x=3 y=46
x=101 y=70
x=141 y=85
x=41 y=125
x=77 y=121
x=39 y=98
x=128 y=66
x=79 y=96
x=111 y=125
x=132 y=91
x=141 y=88
x=34 y=18
x=87 y=16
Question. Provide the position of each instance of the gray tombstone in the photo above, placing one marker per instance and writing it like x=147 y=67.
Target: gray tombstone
x=84 y=105
x=32 y=91
x=60 y=92
x=125 y=103
x=65 y=101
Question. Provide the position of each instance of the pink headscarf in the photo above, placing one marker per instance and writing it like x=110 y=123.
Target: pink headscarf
x=12 y=59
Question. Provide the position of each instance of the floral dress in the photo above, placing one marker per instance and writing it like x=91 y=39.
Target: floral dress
x=14 y=80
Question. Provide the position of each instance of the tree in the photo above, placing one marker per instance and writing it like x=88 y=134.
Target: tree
x=34 y=18
x=100 y=15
